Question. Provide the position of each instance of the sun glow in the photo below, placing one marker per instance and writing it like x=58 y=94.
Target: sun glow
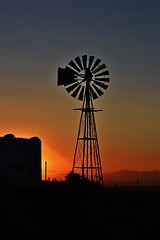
x=57 y=166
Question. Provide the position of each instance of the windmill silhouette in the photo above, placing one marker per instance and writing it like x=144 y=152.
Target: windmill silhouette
x=86 y=79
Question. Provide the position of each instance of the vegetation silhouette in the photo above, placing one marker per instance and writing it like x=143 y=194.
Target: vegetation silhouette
x=76 y=179
x=79 y=209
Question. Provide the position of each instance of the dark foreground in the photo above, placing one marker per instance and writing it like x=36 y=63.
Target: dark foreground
x=59 y=211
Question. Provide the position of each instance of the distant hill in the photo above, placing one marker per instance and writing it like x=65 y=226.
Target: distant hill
x=130 y=178
x=124 y=177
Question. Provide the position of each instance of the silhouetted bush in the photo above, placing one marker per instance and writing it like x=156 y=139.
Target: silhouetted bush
x=72 y=177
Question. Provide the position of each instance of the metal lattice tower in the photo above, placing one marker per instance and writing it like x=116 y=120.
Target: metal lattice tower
x=86 y=79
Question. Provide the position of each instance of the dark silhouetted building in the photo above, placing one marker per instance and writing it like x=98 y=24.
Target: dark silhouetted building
x=20 y=160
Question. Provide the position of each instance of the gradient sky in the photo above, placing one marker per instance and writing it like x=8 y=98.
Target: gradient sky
x=36 y=37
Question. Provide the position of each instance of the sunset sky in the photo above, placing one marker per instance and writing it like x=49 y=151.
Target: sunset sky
x=38 y=36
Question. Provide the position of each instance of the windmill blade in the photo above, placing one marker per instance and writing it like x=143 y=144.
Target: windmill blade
x=69 y=81
x=74 y=66
x=74 y=72
x=102 y=73
x=72 y=87
x=93 y=93
x=95 y=64
x=100 y=93
x=75 y=93
x=84 y=60
x=102 y=85
x=81 y=94
x=78 y=61
x=101 y=67
x=102 y=79
x=91 y=58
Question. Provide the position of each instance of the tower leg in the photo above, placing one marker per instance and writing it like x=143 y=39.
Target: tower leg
x=86 y=160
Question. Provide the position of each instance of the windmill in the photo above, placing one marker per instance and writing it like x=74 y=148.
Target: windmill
x=86 y=79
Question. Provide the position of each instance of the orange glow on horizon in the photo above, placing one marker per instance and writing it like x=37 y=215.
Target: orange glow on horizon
x=125 y=156
x=57 y=166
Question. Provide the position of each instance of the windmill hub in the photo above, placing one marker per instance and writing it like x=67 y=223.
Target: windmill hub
x=88 y=75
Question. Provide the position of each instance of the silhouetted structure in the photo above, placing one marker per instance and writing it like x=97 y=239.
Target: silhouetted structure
x=86 y=79
x=45 y=169
x=20 y=160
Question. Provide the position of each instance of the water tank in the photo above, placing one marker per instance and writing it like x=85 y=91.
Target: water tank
x=20 y=160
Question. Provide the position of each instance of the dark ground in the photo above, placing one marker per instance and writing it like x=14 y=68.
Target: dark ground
x=57 y=211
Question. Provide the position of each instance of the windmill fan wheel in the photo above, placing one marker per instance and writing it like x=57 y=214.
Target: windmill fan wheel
x=83 y=71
